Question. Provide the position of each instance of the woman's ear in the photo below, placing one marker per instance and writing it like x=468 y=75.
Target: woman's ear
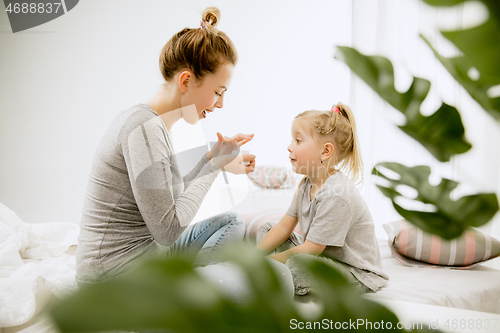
x=184 y=78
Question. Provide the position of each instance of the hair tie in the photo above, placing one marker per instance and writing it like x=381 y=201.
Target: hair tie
x=202 y=25
x=336 y=110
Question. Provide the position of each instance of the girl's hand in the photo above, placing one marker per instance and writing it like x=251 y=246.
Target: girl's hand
x=279 y=257
x=307 y=247
x=237 y=168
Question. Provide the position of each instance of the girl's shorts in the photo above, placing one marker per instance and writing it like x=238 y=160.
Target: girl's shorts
x=302 y=278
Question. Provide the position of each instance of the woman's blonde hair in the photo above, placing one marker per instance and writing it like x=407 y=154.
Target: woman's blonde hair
x=340 y=130
x=202 y=50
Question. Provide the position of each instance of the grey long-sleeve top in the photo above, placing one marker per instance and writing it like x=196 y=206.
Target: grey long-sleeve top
x=136 y=202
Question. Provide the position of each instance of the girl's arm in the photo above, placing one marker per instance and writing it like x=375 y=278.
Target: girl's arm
x=307 y=248
x=278 y=234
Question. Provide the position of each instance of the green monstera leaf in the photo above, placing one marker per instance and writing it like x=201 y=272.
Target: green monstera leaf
x=441 y=133
x=168 y=295
x=493 y=6
x=481 y=51
x=449 y=218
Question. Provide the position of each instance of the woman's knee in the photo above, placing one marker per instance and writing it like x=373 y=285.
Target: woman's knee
x=233 y=218
x=236 y=224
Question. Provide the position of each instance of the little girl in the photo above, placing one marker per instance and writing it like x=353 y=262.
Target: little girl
x=334 y=220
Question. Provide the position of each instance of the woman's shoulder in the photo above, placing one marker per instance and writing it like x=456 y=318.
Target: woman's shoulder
x=138 y=115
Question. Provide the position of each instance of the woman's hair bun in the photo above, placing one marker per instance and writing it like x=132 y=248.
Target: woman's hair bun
x=211 y=17
x=202 y=50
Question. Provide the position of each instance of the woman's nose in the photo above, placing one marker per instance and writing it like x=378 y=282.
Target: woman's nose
x=219 y=103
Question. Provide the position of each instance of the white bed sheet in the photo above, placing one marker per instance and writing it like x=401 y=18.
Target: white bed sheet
x=37 y=262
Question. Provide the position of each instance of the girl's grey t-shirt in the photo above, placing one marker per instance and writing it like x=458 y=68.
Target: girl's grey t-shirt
x=137 y=202
x=339 y=218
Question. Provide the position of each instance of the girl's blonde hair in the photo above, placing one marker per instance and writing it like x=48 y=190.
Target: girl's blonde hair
x=202 y=50
x=340 y=130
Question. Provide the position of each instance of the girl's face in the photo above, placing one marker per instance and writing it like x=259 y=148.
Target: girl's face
x=210 y=93
x=305 y=153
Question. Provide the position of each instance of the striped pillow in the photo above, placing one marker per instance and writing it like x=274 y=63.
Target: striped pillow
x=255 y=220
x=269 y=176
x=415 y=247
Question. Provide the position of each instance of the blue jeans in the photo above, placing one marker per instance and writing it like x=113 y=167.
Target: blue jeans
x=206 y=239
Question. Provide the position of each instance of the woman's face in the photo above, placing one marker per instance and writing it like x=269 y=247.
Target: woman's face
x=210 y=93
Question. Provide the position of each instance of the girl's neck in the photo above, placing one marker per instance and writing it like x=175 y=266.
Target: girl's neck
x=318 y=179
x=317 y=184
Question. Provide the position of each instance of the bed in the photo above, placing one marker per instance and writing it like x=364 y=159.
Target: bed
x=37 y=263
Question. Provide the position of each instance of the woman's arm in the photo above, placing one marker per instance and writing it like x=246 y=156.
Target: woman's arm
x=154 y=180
x=306 y=248
x=278 y=234
x=191 y=175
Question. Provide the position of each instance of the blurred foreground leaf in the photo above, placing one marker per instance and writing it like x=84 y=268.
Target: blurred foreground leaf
x=481 y=51
x=451 y=218
x=168 y=295
x=441 y=133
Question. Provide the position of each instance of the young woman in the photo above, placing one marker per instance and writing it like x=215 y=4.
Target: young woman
x=137 y=203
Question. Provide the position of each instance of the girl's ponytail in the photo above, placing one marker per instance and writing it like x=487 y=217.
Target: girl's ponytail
x=350 y=158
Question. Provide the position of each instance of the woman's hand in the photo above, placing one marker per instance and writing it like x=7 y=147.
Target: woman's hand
x=225 y=154
x=224 y=151
x=240 y=139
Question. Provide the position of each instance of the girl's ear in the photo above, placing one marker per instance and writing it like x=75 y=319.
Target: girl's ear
x=328 y=149
x=184 y=78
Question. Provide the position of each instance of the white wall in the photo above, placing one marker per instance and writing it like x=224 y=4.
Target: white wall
x=62 y=83
x=65 y=80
